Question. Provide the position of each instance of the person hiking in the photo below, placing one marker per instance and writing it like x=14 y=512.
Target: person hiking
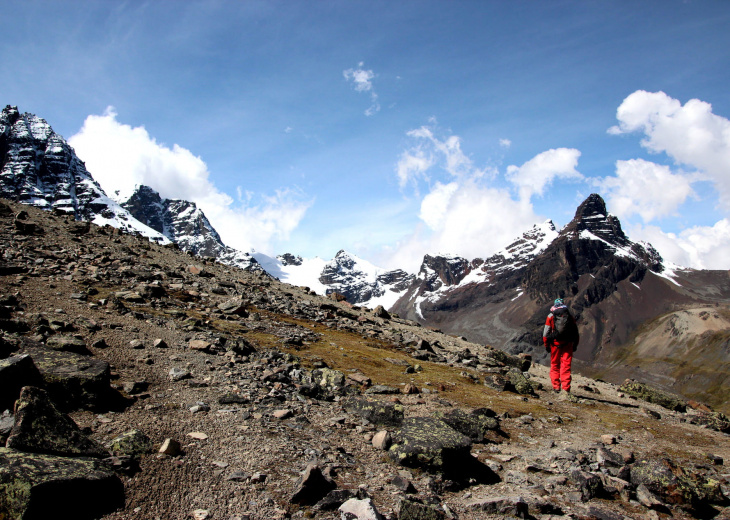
x=560 y=337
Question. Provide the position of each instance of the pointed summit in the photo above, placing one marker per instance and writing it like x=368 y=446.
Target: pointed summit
x=592 y=220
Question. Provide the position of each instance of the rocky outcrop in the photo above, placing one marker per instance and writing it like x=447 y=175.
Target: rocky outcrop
x=37 y=486
x=41 y=428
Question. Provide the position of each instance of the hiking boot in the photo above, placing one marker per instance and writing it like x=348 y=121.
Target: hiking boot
x=567 y=396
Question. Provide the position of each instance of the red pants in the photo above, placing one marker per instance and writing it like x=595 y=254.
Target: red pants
x=561 y=358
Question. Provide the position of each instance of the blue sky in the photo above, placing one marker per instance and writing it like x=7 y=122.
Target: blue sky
x=393 y=129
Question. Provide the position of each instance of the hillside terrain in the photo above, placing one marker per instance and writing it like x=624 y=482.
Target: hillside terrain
x=200 y=390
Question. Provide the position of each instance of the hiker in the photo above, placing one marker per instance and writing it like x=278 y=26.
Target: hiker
x=560 y=336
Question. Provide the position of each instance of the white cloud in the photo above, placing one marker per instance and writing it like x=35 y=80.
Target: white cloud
x=532 y=177
x=690 y=134
x=362 y=81
x=121 y=157
x=505 y=143
x=645 y=188
x=700 y=247
x=461 y=213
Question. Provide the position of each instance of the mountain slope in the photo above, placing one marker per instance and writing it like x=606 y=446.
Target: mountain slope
x=38 y=167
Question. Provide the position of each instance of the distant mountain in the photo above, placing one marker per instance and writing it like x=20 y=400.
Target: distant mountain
x=183 y=223
x=38 y=167
x=359 y=281
x=624 y=296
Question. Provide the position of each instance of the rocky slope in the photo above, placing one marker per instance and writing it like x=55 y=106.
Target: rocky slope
x=176 y=389
x=614 y=286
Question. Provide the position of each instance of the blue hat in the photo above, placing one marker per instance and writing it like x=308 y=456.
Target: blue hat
x=559 y=301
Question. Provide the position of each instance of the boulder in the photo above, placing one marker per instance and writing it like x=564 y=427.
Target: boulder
x=652 y=395
x=376 y=412
x=328 y=378
x=234 y=306
x=312 y=486
x=67 y=344
x=676 y=485
x=36 y=486
x=41 y=428
x=73 y=381
x=409 y=509
x=519 y=382
x=133 y=443
x=476 y=426
x=429 y=443
x=15 y=373
x=355 y=509
x=515 y=506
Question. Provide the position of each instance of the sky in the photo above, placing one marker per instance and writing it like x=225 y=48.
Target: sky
x=393 y=129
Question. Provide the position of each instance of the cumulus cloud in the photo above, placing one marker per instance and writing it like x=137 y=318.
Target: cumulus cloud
x=700 y=247
x=464 y=211
x=645 y=188
x=532 y=177
x=362 y=81
x=121 y=157
x=690 y=134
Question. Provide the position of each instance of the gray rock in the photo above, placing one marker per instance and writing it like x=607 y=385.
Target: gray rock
x=133 y=443
x=500 y=505
x=37 y=486
x=428 y=443
x=15 y=373
x=178 y=374
x=382 y=389
x=67 y=344
x=312 y=486
x=376 y=412
x=73 y=381
x=476 y=426
x=409 y=509
x=355 y=509
x=41 y=428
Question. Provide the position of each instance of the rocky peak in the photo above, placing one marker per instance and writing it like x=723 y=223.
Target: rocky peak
x=9 y=115
x=289 y=259
x=441 y=270
x=39 y=168
x=184 y=223
x=360 y=281
x=593 y=217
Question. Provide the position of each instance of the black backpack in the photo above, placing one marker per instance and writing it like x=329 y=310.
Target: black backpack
x=565 y=329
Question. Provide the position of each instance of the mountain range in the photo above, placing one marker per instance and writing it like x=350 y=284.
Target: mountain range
x=638 y=316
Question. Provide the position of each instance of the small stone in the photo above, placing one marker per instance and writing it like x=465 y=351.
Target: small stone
x=282 y=414
x=608 y=439
x=170 y=447
x=200 y=345
x=136 y=344
x=200 y=436
x=159 y=343
x=410 y=389
x=382 y=440
x=360 y=510
x=178 y=374
x=201 y=514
